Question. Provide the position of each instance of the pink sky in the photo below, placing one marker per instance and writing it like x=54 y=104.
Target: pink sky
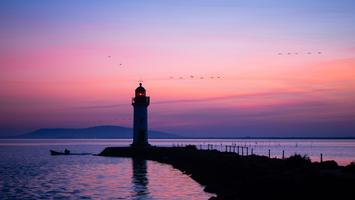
x=56 y=70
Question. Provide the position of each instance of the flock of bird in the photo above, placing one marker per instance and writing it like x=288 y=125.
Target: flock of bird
x=194 y=77
x=296 y=53
x=191 y=77
x=120 y=64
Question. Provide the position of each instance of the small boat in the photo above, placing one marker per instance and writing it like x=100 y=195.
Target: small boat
x=56 y=153
x=67 y=152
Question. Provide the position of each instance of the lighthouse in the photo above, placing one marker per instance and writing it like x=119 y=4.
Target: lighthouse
x=140 y=103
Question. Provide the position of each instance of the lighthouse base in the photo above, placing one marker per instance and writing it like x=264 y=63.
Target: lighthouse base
x=140 y=145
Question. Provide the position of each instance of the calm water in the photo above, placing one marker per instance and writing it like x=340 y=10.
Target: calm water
x=27 y=171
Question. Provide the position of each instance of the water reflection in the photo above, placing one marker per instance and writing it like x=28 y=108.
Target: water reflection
x=139 y=179
x=29 y=172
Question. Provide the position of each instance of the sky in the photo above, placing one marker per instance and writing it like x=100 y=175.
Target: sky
x=217 y=68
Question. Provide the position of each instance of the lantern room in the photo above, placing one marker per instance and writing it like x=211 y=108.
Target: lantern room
x=140 y=96
x=140 y=91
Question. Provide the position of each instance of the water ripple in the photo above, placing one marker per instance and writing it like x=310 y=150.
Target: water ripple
x=29 y=172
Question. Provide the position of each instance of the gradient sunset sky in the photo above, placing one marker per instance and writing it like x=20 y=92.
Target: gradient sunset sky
x=212 y=67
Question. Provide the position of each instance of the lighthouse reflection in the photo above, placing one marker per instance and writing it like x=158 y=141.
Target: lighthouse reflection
x=139 y=179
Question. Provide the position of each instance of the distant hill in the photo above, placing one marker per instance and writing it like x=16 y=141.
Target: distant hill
x=112 y=132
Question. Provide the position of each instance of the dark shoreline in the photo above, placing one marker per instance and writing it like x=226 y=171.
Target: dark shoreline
x=231 y=176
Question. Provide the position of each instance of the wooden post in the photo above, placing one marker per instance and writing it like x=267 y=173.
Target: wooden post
x=269 y=153
x=247 y=150
x=321 y=157
x=283 y=154
x=242 y=151
x=252 y=151
x=238 y=150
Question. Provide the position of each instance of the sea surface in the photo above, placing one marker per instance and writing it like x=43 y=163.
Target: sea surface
x=27 y=171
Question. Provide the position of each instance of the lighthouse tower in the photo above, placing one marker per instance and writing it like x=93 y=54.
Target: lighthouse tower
x=140 y=119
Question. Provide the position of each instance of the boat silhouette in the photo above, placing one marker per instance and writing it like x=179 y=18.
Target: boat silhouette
x=66 y=153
